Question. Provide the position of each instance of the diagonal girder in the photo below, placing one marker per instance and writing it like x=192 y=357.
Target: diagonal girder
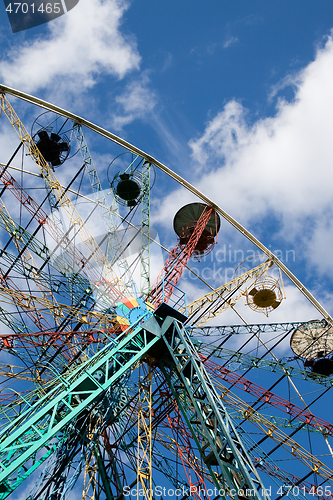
x=208 y=417
x=171 y=273
x=133 y=149
x=56 y=284
x=145 y=231
x=34 y=304
x=116 y=288
x=58 y=262
x=82 y=263
x=256 y=329
x=266 y=396
x=213 y=303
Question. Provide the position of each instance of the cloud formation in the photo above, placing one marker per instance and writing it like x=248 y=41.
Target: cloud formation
x=231 y=40
x=137 y=101
x=279 y=166
x=75 y=49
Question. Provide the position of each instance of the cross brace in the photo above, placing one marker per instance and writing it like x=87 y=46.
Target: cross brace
x=40 y=426
x=207 y=417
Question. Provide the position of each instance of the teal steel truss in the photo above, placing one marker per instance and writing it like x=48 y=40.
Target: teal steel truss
x=31 y=437
x=207 y=418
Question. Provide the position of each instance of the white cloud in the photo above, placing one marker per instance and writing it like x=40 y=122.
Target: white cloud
x=280 y=165
x=282 y=161
x=76 y=48
x=230 y=41
x=222 y=134
x=137 y=101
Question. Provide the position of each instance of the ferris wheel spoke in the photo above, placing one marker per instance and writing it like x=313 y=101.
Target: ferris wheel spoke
x=73 y=393
x=12 y=371
x=175 y=264
x=246 y=361
x=181 y=437
x=264 y=396
x=211 y=420
x=254 y=329
x=145 y=231
x=280 y=477
x=55 y=285
x=215 y=302
x=271 y=431
x=68 y=399
x=78 y=260
x=114 y=251
x=163 y=407
x=76 y=282
x=177 y=437
x=116 y=287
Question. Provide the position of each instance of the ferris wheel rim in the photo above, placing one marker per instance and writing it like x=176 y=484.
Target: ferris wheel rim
x=175 y=177
x=118 y=140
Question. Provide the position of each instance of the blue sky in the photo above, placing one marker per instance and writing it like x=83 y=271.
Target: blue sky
x=235 y=96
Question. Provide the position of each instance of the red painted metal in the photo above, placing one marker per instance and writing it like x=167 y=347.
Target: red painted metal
x=266 y=396
x=35 y=316
x=56 y=339
x=171 y=418
x=185 y=451
x=84 y=265
x=174 y=266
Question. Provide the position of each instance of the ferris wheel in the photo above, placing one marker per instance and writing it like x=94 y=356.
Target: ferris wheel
x=113 y=385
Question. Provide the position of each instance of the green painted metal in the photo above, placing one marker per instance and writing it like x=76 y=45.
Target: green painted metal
x=256 y=329
x=264 y=462
x=77 y=119
x=208 y=417
x=58 y=262
x=16 y=326
x=105 y=480
x=19 y=233
x=145 y=231
x=56 y=284
x=41 y=424
x=247 y=361
x=280 y=422
x=54 y=206
x=114 y=250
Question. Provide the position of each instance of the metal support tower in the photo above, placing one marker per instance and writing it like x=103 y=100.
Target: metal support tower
x=144 y=458
x=39 y=425
x=207 y=418
x=114 y=250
